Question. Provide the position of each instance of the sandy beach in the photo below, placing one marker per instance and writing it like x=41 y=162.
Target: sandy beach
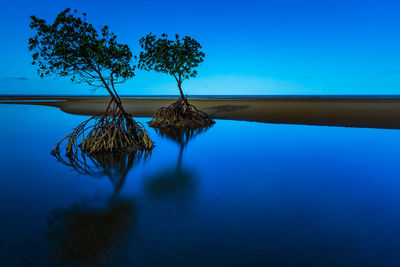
x=341 y=111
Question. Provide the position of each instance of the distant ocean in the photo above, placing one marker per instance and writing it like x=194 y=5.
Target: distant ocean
x=50 y=97
x=207 y=96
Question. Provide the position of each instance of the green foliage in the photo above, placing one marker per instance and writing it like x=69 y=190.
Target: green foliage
x=73 y=47
x=176 y=57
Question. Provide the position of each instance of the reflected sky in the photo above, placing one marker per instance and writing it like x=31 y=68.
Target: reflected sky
x=254 y=194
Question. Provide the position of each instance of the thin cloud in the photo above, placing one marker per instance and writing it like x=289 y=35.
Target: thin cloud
x=10 y=79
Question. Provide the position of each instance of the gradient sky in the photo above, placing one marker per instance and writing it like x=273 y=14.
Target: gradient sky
x=252 y=47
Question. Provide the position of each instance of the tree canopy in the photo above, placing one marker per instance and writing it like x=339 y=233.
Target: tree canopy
x=177 y=57
x=73 y=47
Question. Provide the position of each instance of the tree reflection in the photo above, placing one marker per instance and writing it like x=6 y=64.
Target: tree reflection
x=181 y=136
x=92 y=233
x=115 y=166
x=89 y=236
x=177 y=179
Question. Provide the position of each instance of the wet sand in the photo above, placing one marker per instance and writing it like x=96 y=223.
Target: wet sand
x=331 y=111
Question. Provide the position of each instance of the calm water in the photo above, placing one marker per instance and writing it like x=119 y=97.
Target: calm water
x=238 y=194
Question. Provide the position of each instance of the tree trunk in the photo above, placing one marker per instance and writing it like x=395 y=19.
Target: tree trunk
x=117 y=100
x=180 y=90
x=113 y=97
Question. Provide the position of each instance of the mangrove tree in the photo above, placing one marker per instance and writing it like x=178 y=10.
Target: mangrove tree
x=178 y=58
x=72 y=47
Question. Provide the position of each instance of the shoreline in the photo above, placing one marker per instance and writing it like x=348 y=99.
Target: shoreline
x=208 y=97
x=366 y=111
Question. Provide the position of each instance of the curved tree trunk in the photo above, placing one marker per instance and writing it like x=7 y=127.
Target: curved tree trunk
x=180 y=90
x=114 y=96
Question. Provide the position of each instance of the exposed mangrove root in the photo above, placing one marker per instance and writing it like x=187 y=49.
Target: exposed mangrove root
x=180 y=114
x=113 y=131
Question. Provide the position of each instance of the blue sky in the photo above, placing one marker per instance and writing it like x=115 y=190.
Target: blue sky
x=252 y=47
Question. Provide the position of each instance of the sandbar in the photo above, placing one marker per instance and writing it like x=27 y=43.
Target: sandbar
x=368 y=112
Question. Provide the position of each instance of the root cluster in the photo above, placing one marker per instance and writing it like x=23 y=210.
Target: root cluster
x=113 y=131
x=182 y=115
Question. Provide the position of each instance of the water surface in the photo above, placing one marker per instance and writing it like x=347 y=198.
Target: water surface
x=239 y=193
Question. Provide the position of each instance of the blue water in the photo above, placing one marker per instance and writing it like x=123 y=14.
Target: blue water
x=239 y=193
